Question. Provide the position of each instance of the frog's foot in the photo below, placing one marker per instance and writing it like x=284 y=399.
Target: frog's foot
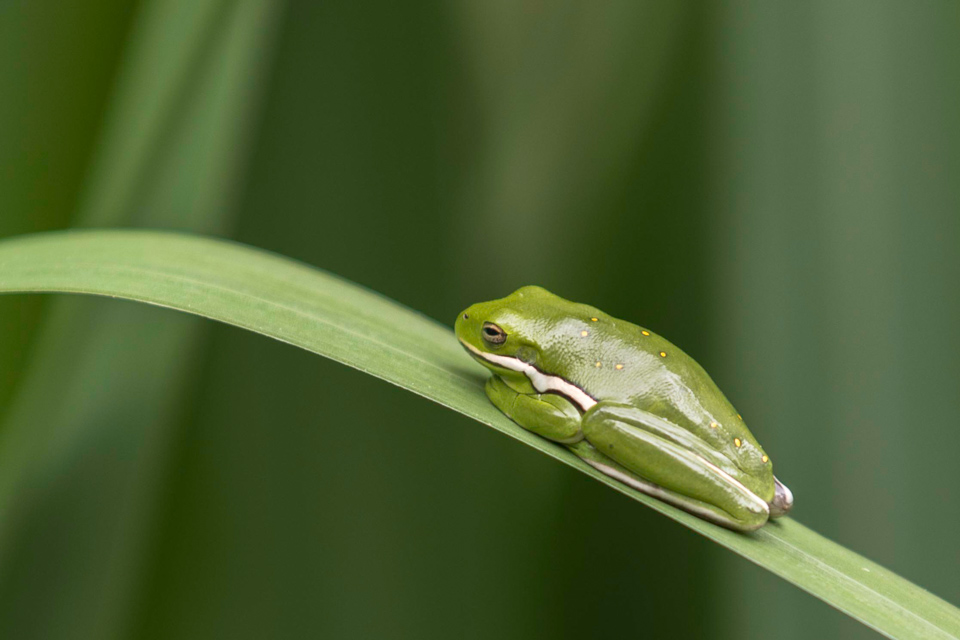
x=782 y=500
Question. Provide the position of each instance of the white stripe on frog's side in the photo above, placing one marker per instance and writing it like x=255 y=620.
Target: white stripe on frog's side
x=541 y=381
x=670 y=497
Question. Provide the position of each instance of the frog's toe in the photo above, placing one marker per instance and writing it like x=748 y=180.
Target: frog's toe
x=782 y=500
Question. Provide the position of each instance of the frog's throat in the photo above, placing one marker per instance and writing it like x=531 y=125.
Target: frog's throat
x=542 y=382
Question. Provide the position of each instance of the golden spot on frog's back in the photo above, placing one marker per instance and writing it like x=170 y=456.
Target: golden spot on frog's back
x=584 y=333
x=594 y=319
x=737 y=442
x=598 y=365
x=619 y=366
x=714 y=424
x=764 y=458
x=663 y=354
x=645 y=332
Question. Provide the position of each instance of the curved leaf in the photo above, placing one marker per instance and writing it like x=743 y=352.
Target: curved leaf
x=309 y=308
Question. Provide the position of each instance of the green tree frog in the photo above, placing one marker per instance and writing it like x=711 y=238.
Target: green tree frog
x=626 y=401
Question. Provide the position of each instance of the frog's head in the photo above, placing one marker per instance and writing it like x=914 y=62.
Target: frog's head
x=506 y=334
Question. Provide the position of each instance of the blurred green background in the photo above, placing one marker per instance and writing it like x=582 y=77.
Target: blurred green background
x=772 y=185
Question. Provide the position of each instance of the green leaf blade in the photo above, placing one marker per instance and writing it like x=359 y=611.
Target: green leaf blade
x=322 y=313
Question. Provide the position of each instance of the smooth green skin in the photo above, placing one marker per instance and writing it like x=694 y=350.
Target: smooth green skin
x=639 y=409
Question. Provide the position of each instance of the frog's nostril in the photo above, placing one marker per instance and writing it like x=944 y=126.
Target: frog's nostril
x=782 y=500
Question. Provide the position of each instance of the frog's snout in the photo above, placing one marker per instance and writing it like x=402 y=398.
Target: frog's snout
x=466 y=323
x=782 y=500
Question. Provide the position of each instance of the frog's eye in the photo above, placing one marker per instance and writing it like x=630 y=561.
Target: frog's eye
x=493 y=334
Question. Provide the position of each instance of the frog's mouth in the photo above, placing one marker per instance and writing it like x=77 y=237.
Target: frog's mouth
x=491 y=360
x=542 y=382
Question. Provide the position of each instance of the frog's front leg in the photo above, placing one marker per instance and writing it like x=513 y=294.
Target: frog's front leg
x=547 y=415
x=668 y=471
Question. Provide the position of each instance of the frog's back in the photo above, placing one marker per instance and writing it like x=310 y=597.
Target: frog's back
x=618 y=361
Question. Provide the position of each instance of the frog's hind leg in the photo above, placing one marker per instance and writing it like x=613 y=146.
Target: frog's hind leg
x=610 y=467
x=667 y=471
